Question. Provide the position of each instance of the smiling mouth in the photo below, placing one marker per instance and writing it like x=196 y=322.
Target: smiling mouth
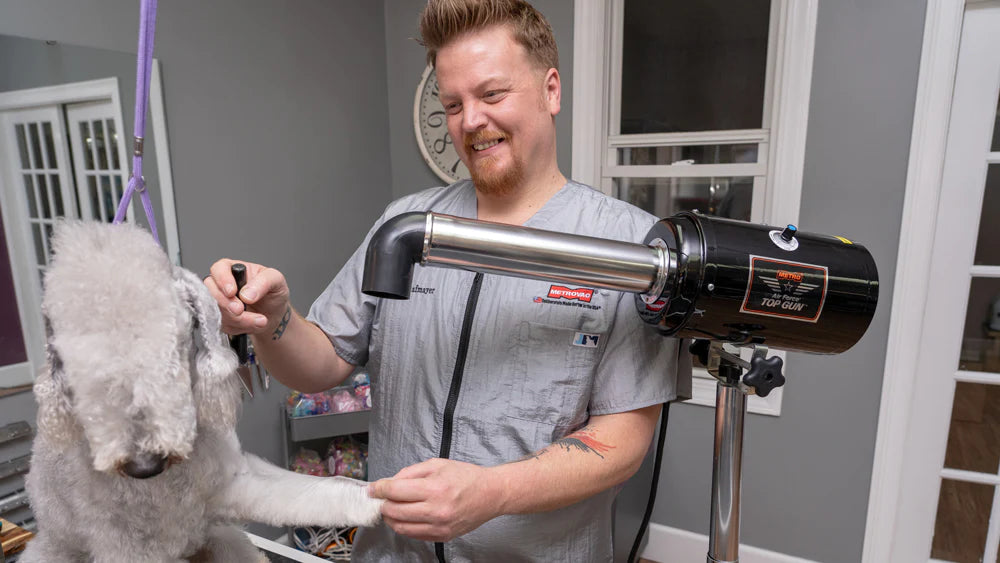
x=478 y=147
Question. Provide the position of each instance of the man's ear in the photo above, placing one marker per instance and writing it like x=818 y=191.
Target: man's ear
x=214 y=384
x=553 y=91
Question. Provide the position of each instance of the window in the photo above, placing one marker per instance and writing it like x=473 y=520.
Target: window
x=684 y=105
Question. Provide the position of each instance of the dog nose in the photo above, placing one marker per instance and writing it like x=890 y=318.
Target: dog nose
x=144 y=466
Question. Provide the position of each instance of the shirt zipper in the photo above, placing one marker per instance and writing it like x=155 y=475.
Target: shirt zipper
x=456 y=383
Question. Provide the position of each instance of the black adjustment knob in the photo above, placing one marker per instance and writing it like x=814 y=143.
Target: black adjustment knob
x=699 y=349
x=765 y=375
x=789 y=233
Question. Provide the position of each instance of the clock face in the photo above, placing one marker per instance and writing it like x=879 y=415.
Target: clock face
x=430 y=125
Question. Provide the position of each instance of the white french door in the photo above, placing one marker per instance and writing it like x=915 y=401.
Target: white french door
x=97 y=148
x=37 y=190
x=949 y=506
x=57 y=160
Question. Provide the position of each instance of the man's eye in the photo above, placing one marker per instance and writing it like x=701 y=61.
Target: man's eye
x=491 y=94
x=452 y=108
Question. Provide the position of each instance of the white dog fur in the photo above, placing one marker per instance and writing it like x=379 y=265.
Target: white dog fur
x=137 y=366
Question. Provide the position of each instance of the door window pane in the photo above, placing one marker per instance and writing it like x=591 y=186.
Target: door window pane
x=974 y=434
x=962 y=518
x=100 y=144
x=50 y=148
x=663 y=197
x=36 y=231
x=43 y=193
x=988 y=241
x=36 y=146
x=22 y=146
x=981 y=339
x=113 y=144
x=86 y=146
x=29 y=190
x=693 y=66
x=57 y=195
x=95 y=200
x=694 y=154
x=108 y=198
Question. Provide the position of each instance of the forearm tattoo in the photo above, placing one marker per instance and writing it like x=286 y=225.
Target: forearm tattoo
x=582 y=440
x=280 y=331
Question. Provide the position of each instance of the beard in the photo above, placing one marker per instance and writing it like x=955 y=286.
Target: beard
x=488 y=174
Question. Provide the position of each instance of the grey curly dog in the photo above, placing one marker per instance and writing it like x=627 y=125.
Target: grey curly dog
x=136 y=457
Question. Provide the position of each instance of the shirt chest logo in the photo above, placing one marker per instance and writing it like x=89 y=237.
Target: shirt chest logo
x=586 y=340
x=569 y=296
x=562 y=292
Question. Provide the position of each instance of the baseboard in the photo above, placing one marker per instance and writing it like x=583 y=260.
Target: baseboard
x=673 y=545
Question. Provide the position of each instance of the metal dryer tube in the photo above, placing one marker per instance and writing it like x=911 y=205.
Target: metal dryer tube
x=453 y=242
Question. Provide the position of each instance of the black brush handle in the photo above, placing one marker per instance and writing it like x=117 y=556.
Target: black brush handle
x=239 y=342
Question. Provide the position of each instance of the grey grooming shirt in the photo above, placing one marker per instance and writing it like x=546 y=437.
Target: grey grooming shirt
x=541 y=359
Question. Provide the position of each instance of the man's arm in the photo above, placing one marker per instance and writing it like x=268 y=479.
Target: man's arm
x=441 y=499
x=294 y=350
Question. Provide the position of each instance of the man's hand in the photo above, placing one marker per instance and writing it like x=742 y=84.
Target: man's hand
x=438 y=499
x=265 y=295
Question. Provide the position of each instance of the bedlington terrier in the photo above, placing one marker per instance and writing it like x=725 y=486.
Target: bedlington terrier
x=136 y=457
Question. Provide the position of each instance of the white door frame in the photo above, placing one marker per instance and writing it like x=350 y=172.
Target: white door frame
x=938 y=63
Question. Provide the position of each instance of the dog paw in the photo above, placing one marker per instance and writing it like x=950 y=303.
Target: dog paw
x=359 y=509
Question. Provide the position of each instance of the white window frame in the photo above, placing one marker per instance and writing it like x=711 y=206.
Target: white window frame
x=778 y=173
x=71 y=93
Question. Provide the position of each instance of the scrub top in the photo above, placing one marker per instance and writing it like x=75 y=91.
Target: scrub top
x=487 y=369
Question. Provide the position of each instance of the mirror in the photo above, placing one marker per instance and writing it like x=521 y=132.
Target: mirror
x=66 y=119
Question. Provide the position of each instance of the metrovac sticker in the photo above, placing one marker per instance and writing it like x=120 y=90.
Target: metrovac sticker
x=790 y=290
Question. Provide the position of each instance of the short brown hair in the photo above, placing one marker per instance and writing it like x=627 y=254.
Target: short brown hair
x=444 y=20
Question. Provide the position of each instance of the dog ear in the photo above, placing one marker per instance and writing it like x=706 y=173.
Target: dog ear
x=53 y=395
x=215 y=387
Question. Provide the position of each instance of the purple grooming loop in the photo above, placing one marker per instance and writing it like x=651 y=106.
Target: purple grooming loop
x=136 y=183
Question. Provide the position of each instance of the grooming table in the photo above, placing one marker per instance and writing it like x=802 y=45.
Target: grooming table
x=12 y=539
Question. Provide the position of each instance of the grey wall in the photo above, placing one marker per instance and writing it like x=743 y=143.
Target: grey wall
x=807 y=473
x=405 y=63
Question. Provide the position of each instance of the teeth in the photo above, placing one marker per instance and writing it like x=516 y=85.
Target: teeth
x=484 y=146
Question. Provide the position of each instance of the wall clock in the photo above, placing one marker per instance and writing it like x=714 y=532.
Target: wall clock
x=431 y=129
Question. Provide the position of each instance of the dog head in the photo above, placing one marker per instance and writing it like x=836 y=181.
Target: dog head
x=136 y=362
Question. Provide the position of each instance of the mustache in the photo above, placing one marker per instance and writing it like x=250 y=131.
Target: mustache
x=470 y=139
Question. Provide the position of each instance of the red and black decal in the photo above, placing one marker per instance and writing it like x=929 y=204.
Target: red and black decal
x=790 y=290
x=563 y=292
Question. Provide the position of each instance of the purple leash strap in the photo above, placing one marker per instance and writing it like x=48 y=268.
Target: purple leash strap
x=144 y=66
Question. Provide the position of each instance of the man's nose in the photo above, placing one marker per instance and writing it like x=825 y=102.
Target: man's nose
x=473 y=118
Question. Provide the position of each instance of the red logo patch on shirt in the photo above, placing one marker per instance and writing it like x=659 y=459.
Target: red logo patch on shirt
x=563 y=292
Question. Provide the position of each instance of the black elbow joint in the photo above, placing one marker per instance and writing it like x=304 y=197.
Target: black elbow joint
x=393 y=250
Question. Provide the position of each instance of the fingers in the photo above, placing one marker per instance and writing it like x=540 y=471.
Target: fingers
x=221 y=274
x=263 y=282
x=399 y=490
x=236 y=319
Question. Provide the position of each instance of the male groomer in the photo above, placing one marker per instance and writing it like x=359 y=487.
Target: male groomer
x=506 y=411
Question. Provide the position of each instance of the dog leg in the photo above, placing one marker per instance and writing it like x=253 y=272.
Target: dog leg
x=262 y=492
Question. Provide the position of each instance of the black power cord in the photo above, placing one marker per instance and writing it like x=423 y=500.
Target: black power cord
x=652 y=486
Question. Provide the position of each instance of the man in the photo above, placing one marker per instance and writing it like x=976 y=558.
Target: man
x=506 y=411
